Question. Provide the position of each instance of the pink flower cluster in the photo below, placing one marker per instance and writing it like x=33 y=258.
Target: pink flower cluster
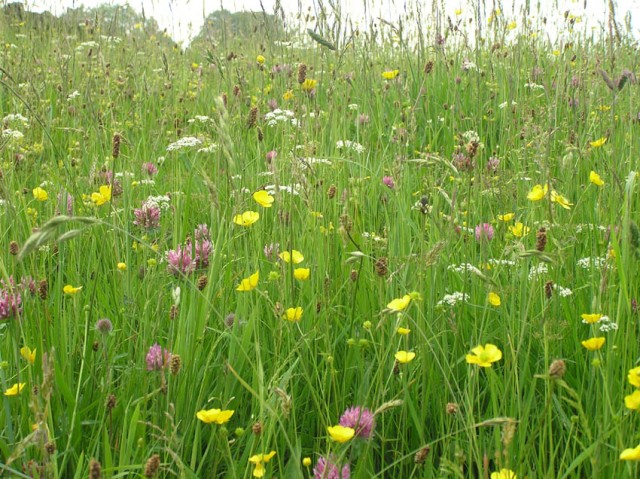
x=157 y=358
x=185 y=259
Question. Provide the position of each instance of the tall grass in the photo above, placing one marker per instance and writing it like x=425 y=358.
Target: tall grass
x=464 y=131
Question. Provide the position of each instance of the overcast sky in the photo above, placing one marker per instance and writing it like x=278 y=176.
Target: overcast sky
x=183 y=18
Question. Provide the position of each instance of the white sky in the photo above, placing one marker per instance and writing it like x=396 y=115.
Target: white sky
x=183 y=18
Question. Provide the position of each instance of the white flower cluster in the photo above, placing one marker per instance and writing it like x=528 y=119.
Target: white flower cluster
x=534 y=86
x=591 y=262
x=291 y=189
x=502 y=262
x=453 y=298
x=200 y=119
x=539 y=270
x=463 y=268
x=83 y=45
x=563 y=292
x=209 y=149
x=73 y=94
x=606 y=324
x=350 y=145
x=307 y=162
x=15 y=117
x=186 y=142
x=161 y=202
x=589 y=227
x=12 y=135
x=277 y=116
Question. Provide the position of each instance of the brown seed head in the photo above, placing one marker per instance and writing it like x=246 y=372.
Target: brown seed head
x=541 y=239
x=421 y=455
x=14 y=248
x=152 y=466
x=557 y=369
x=95 y=469
x=302 y=73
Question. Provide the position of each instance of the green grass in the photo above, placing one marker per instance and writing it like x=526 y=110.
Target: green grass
x=365 y=244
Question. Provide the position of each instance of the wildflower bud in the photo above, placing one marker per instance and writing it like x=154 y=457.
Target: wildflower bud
x=302 y=73
x=14 y=248
x=104 y=325
x=115 y=146
x=43 y=289
x=236 y=90
x=306 y=462
x=111 y=402
x=421 y=455
x=346 y=222
x=95 y=469
x=95 y=346
x=50 y=447
x=225 y=99
x=557 y=369
x=396 y=368
x=173 y=312
x=202 y=282
x=318 y=307
x=331 y=192
x=229 y=320
x=270 y=156
x=381 y=267
x=353 y=276
x=548 y=289
x=152 y=465
x=541 y=239
x=253 y=116
x=428 y=67
x=257 y=428
x=260 y=134
x=452 y=408
x=239 y=432
x=175 y=364
x=367 y=325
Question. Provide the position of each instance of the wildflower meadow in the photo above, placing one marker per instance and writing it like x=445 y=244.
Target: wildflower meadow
x=300 y=247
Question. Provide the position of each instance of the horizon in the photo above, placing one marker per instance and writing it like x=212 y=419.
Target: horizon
x=183 y=19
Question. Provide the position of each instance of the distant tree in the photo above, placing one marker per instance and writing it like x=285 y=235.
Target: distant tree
x=223 y=25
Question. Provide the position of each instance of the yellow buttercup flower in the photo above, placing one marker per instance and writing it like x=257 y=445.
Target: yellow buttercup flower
x=399 y=304
x=260 y=59
x=217 y=416
x=263 y=198
x=293 y=314
x=306 y=462
x=39 y=194
x=28 y=354
x=561 y=200
x=595 y=178
x=71 y=290
x=341 y=434
x=538 y=192
x=287 y=95
x=259 y=460
x=247 y=218
x=590 y=318
x=634 y=377
x=250 y=283
x=632 y=401
x=506 y=217
x=403 y=331
x=631 y=454
x=390 y=74
x=404 y=357
x=599 y=142
x=292 y=256
x=15 y=389
x=519 y=230
x=484 y=356
x=504 y=474
x=309 y=84
x=512 y=25
x=102 y=196
x=593 y=344
x=301 y=274
x=121 y=266
x=494 y=299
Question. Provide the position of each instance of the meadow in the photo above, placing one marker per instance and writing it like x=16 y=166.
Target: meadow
x=382 y=253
